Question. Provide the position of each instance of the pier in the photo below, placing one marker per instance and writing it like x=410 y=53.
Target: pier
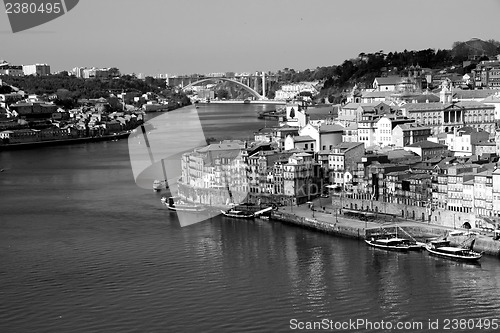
x=326 y=221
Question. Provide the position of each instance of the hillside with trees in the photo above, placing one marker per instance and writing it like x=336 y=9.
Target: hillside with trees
x=69 y=89
x=367 y=66
x=83 y=88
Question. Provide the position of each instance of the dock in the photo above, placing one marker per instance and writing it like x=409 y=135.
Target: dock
x=341 y=226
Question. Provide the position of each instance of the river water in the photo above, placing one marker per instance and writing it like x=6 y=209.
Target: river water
x=84 y=249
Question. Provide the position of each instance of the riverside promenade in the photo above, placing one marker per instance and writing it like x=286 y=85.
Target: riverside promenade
x=325 y=220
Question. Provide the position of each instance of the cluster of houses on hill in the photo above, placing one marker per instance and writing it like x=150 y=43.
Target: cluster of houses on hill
x=28 y=118
x=413 y=153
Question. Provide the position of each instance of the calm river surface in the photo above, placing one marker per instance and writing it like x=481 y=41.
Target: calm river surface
x=84 y=249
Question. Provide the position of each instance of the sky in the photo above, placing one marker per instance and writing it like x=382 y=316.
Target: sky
x=203 y=36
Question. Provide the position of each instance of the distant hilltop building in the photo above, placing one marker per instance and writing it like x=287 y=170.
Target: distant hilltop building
x=36 y=69
x=290 y=91
x=11 y=70
x=95 y=73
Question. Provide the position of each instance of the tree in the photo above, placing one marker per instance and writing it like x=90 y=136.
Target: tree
x=222 y=94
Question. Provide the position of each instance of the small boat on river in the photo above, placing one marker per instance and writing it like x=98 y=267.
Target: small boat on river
x=177 y=204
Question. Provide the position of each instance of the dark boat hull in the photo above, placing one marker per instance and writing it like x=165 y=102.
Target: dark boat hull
x=238 y=216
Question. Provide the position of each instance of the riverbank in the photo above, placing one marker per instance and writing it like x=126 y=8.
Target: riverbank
x=38 y=144
x=244 y=102
x=339 y=225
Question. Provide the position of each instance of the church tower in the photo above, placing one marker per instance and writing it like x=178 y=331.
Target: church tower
x=445 y=94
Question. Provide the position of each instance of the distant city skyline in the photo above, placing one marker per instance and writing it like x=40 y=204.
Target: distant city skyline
x=153 y=37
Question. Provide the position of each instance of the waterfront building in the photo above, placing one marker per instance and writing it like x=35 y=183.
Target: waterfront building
x=343 y=158
x=359 y=180
x=408 y=188
x=36 y=70
x=483 y=193
x=261 y=172
x=455 y=188
x=301 y=176
x=374 y=179
x=203 y=167
x=496 y=192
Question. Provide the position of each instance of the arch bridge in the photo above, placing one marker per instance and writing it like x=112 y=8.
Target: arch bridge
x=253 y=92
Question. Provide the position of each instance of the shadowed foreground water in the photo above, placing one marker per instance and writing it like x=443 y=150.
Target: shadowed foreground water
x=83 y=249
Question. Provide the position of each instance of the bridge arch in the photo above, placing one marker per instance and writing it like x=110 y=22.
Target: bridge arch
x=244 y=86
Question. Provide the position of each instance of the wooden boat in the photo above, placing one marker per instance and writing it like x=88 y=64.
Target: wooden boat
x=393 y=244
x=443 y=249
x=239 y=214
x=413 y=245
x=177 y=204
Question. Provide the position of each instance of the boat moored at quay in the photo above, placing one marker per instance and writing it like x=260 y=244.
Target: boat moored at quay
x=392 y=244
x=442 y=248
x=239 y=214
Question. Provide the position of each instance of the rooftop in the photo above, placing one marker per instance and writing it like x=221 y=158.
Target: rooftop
x=331 y=128
x=389 y=80
x=302 y=138
x=427 y=144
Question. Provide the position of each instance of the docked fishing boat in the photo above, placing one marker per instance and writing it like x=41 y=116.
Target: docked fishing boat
x=177 y=204
x=239 y=214
x=393 y=244
x=442 y=248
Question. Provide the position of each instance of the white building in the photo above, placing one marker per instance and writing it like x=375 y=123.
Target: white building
x=37 y=69
x=290 y=91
